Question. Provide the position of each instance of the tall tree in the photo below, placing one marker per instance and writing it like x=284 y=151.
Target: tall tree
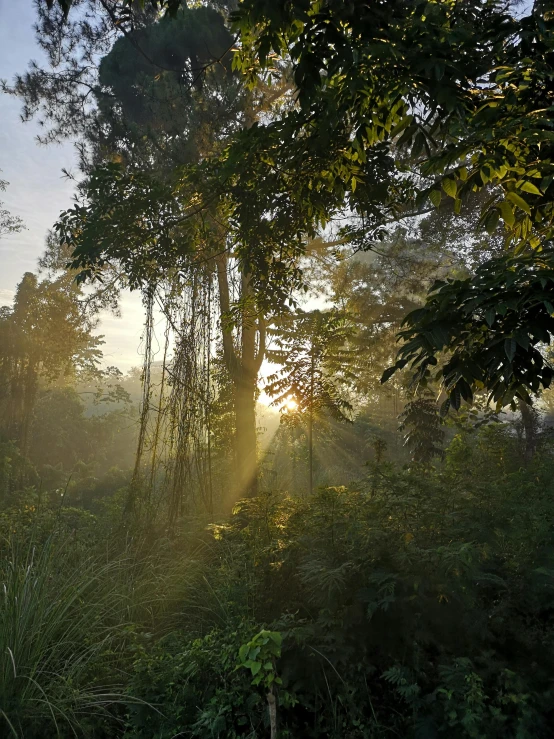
x=315 y=367
x=45 y=340
x=160 y=109
x=453 y=92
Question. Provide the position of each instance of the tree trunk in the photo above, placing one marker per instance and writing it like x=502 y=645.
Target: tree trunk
x=245 y=397
x=311 y=451
x=245 y=420
x=244 y=367
x=243 y=370
x=530 y=427
x=311 y=424
x=272 y=709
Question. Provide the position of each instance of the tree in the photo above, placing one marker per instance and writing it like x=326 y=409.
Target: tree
x=162 y=103
x=430 y=79
x=451 y=96
x=45 y=340
x=315 y=366
x=151 y=222
x=379 y=288
x=153 y=125
x=459 y=90
x=435 y=78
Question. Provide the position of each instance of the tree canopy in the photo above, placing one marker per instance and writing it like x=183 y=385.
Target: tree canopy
x=460 y=94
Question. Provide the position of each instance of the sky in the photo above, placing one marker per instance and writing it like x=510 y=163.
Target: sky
x=38 y=191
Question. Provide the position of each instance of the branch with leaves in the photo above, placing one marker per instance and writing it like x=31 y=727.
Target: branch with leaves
x=487 y=332
x=9 y=223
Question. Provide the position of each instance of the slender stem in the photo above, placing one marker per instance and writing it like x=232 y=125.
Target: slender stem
x=311 y=449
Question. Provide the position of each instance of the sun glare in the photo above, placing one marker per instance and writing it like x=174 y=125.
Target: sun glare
x=291 y=405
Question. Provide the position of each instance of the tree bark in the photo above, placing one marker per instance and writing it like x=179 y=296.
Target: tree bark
x=530 y=427
x=246 y=452
x=243 y=370
x=311 y=425
x=272 y=709
x=245 y=394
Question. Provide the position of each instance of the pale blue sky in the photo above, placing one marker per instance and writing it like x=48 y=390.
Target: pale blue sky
x=38 y=191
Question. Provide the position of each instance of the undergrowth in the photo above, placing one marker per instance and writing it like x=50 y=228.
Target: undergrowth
x=417 y=603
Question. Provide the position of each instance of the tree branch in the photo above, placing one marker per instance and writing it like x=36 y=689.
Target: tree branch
x=229 y=354
x=262 y=332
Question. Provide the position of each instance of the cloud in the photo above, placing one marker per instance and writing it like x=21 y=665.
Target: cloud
x=6 y=296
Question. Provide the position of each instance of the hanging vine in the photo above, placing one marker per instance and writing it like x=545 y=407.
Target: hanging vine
x=173 y=468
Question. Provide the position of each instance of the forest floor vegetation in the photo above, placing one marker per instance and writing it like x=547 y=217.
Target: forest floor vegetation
x=417 y=603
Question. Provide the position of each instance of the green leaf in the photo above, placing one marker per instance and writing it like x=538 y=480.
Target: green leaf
x=490 y=315
x=522 y=339
x=507 y=213
x=455 y=398
x=450 y=187
x=510 y=347
x=419 y=144
x=406 y=136
x=519 y=201
x=275 y=637
x=435 y=197
x=388 y=373
x=529 y=187
x=401 y=125
x=491 y=221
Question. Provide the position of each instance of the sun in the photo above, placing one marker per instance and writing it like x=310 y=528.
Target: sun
x=291 y=405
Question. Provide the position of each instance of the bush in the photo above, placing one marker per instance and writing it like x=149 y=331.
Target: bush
x=418 y=605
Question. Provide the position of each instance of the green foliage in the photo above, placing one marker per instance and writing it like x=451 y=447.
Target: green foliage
x=128 y=220
x=48 y=330
x=422 y=425
x=419 y=607
x=414 y=604
x=47 y=346
x=259 y=655
x=406 y=604
x=492 y=326
x=170 y=83
x=314 y=357
x=45 y=340
x=409 y=77
x=457 y=90
x=194 y=684
x=58 y=627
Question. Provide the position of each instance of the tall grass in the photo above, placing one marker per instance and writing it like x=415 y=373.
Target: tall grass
x=62 y=626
